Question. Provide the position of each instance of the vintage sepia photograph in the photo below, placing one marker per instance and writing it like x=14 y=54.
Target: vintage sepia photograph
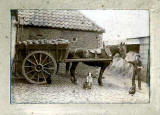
x=79 y=56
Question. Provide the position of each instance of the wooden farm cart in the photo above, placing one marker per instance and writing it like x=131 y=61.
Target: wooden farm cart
x=37 y=59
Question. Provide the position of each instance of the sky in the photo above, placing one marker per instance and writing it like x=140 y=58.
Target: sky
x=120 y=24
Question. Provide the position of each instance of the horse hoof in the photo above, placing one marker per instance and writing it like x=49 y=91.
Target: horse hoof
x=74 y=81
x=100 y=84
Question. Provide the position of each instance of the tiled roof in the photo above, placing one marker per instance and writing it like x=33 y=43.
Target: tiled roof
x=64 y=19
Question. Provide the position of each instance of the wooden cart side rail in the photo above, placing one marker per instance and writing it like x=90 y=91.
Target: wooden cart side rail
x=86 y=60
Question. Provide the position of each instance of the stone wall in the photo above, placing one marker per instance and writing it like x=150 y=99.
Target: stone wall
x=144 y=52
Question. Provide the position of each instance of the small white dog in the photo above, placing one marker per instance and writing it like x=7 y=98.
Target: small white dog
x=88 y=83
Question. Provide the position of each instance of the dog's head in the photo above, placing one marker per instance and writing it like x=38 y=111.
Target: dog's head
x=89 y=74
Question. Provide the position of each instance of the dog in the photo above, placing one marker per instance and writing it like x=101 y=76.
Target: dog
x=88 y=83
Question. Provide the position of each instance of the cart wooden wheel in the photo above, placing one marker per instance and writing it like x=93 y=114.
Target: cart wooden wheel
x=37 y=66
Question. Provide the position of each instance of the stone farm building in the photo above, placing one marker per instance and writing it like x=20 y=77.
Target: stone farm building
x=55 y=24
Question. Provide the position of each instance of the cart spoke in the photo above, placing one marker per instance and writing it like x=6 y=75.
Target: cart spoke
x=45 y=59
x=33 y=76
x=35 y=59
x=49 y=68
x=46 y=72
x=30 y=61
x=43 y=76
x=40 y=57
x=29 y=71
x=38 y=77
x=47 y=63
x=28 y=66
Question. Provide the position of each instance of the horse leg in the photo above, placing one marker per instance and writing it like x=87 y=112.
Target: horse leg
x=67 y=67
x=100 y=75
x=110 y=64
x=72 y=70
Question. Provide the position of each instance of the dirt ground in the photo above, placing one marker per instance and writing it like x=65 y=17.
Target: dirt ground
x=115 y=90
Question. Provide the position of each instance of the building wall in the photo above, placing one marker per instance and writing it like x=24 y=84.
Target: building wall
x=144 y=52
x=79 y=39
x=13 y=36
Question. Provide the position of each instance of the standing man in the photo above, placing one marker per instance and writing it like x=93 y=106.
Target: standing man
x=137 y=66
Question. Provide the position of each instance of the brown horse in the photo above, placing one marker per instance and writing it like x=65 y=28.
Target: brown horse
x=83 y=53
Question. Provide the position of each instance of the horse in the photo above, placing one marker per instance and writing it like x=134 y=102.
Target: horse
x=105 y=54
